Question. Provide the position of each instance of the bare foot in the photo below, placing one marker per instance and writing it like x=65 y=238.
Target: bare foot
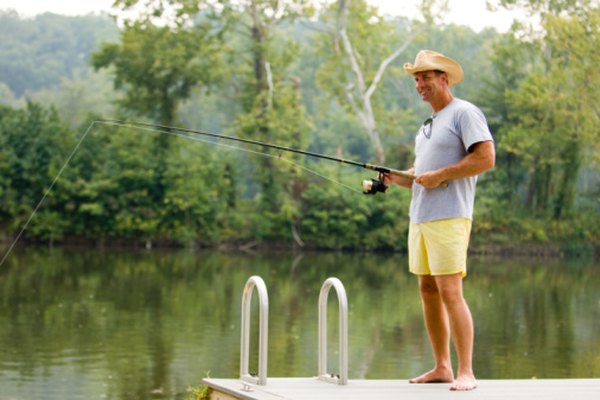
x=464 y=382
x=436 y=375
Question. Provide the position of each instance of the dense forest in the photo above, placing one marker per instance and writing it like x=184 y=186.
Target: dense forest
x=323 y=79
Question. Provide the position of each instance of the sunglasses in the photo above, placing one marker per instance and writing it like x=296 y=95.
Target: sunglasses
x=427 y=127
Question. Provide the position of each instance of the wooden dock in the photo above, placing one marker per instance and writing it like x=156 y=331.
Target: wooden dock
x=378 y=389
x=322 y=387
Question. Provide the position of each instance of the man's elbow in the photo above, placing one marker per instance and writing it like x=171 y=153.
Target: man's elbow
x=490 y=161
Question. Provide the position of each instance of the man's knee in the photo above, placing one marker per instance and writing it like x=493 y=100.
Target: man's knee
x=427 y=286
x=450 y=289
x=451 y=295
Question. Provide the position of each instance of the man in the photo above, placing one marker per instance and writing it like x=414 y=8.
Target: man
x=452 y=147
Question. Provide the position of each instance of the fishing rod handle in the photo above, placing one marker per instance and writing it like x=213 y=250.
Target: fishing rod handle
x=402 y=174
x=386 y=170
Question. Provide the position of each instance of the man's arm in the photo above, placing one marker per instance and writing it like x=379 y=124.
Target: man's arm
x=481 y=157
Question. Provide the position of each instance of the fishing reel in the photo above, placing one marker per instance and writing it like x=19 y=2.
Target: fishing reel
x=374 y=186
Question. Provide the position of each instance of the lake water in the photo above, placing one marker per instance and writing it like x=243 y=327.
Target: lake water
x=119 y=324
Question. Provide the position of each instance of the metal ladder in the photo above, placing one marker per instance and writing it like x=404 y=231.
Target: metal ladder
x=263 y=298
x=263 y=331
x=342 y=378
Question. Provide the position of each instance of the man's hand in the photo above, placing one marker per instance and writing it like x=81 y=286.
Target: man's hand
x=430 y=180
x=399 y=180
x=480 y=158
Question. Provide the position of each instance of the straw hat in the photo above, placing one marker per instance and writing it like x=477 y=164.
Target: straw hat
x=428 y=60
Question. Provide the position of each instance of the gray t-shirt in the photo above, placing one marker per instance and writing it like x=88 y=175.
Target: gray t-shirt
x=453 y=130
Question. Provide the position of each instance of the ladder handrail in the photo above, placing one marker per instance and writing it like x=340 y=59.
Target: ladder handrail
x=342 y=378
x=263 y=332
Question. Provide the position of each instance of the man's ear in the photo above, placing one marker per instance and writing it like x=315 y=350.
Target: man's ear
x=445 y=75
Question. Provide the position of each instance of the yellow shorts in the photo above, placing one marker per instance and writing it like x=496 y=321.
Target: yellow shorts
x=439 y=247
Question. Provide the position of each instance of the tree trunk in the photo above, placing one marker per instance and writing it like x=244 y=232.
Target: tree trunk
x=362 y=106
x=262 y=84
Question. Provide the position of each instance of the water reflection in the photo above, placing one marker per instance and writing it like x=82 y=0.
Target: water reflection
x=140 y=325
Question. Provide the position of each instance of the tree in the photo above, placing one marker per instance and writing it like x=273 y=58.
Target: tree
x=176 y=46
x=272 y=108
x=76 y=97
x=555 y=132
x=35 y=144
x=40 y=52
x=357 y=53
x=167 y=50
x=157 y=66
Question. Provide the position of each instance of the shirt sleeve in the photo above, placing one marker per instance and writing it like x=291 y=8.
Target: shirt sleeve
x=473 y=127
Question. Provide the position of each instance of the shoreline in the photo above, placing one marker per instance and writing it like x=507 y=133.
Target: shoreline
x=536 y=250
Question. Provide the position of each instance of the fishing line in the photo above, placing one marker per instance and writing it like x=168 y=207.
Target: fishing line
x=161 y=129
x=228 y=146
x=39 y=204
x=371 y=186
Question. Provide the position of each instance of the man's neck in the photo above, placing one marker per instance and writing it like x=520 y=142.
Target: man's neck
x=442 y=101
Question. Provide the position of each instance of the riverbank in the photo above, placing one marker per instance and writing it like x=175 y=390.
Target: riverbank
x=544 y=250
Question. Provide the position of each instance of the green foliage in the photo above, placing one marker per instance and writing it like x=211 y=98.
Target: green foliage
x=158 y=66
x=74 y=97
x=201 y=392
x=35 y=144
x=358 y=48
x=373 y=37
x=549 y=131
x=40 y=52
x=271 y=103
x=334 y=217
x=271 y=76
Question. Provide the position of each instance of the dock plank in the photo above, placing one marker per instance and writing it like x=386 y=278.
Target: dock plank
x=380 y=389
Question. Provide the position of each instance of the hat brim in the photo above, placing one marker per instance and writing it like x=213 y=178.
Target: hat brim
x=454 y=77
x=428 y=60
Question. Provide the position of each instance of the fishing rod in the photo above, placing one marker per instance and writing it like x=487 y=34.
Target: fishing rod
x=370 y=186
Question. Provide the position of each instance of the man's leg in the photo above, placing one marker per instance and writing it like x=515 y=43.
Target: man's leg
x=438 y=328
x=461 y=328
